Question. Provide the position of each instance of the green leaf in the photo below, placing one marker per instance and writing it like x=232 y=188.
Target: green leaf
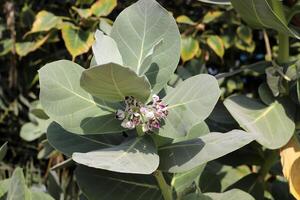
x=103 y=7
x=138 y=156
x=183 y=19
x=83 y=12
x=216 y=44
x=3 y=150
x=72 y=107
x=233 y=194
x=105 y=50
x=113 y=82
x=196 y=131
x=77 y=41
x=245 y=34
x=251 y=184
x=182 y=181
x=218 y=2
x=183 y=156
x=17 y=189
x=259 y=14
x=45 y=21
x=272 y=126
x=189 y=48
x=189 y=104
x=137 y=30
x=33 y=130
x=4 y=185
x=105 y=26
x=37 y=110
x=68 y=143
x=6 y=46
x=265 y=94
x=108 y=185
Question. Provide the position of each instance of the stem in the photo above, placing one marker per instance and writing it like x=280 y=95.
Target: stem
x=283 y=54
x=283 y=38
x=271 y=158
x=164 y=187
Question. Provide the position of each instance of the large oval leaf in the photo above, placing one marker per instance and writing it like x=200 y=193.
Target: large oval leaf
x=68 y=143
x=137 y=156
x=183 y=156
x=112 y=82
x=105 y=50
x=271 y=124
x=259 y=14
x=71 y=106
x=137 y=30
x=189 y=104
x=105 y=185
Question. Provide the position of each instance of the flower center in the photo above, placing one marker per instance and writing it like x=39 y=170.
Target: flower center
x=149 y=117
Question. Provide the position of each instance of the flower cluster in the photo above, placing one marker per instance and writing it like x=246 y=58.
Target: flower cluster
x=137 y=113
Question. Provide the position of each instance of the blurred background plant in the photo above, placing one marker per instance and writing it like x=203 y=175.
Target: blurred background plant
x=214 y=40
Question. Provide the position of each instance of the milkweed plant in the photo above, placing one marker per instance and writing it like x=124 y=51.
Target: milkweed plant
x=131 y=135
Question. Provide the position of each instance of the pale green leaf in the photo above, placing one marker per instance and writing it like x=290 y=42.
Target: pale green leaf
x=183 y=181
x=4 y=185
x=183 y=156
x=138 y=156
x=68 y=143
x=40 y=196
x=189 y=104
x=189 y=48
x=77 y=41
x=272 y=125
x=105 y=26
x=216 y=44
x=136 y=31
x=83 y=12
x=103 y=7
x=17 y=189
x=113 y=82
x=105 y=50
x=106 y=185
x=6 y=46
x=72 y=107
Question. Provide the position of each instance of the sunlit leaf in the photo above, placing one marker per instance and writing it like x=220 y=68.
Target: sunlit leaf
x=65 y=102
x=211 y=16
x=189 y=104
x=183 y=156
x=105 y=50
x=24 y=48
x=273 y=125
x=137 y=30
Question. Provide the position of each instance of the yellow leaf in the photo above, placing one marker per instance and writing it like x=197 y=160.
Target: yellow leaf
x=216 y=44
x=290 y=160
x=77 y=40
x=24 y=48
x=189 y=48
x=103 y=7
x=211 y=15
x=44 y=21
x=183 y=19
